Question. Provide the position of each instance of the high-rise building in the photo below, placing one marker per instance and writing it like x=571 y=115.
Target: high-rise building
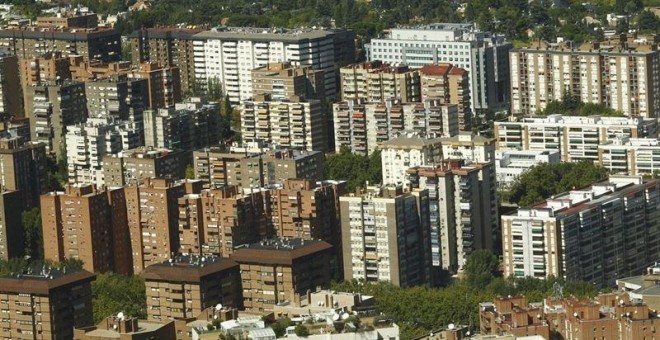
x=386 y=236
x=45 y=303
x=619 y=74
x=90 y=43
x=483 y=54
x=87 y=143
x=632 y=156
x=469 y=147
x=597 y=234
x=294 y=123
x=118 y=97
x=77 y=224
x=134 y=166
x=279 y=270
x=187 y=285
x=256 y=170
x=575 y=137
x=449 y=85
x=51 y=106
x=167 y=46
x=378 y=82
x=12 y=243
x=229 y=54
x=282 y=81
x=361 y=127
x=23 y=167
x=463 y=209
x=153 y=216
x=163 y=84
x=184 y=126
x=404 y=152
x=84 y=70
x=10 y=91
x=34 y=70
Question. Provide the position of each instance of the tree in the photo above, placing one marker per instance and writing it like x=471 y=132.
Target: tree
x=301 y=331
x=190 y=171
x=32 y=231
x=647 y=21
x=279 y=326
x=356 y=169
x=481 y=267
x=113 y=293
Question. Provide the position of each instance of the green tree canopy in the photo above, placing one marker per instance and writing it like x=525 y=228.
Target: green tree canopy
x=481 y=267
x=545 y=180
x=356 y=169
x=32 y=231
x=113 y=293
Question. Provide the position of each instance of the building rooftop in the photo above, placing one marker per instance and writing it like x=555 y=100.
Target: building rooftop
x=266 y=34
x=278 y=251
x=41 y=279
x=410 y=142
x=187 y=268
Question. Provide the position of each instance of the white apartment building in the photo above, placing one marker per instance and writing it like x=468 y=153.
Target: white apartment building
x=484 y=55
x=296 y=124
x=404 y=152
x=598 y=234
x=362 y=126
x=469 y=147
x=510 y=164
x=88 y=142
x=575 y=137
x=385 y=236
x=229 y=54
x=632 y=156
x=620 y=74
x=463 y=209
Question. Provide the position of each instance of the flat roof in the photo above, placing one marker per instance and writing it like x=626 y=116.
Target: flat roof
x=266 y=34
x=187 y=268
x=41 y=284
x=279 y=251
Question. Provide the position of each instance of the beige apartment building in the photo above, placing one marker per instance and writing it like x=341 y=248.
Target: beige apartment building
x=376 y=82
x=386 y=236
x=283 y=81
x=576 y=138
x=45 y=303
x=23 y=167
x=278 y=270
x=181 y=289
x=597 y=234
x=620 y=73
x=136 y=165
x=449 y=85
x=292 y=123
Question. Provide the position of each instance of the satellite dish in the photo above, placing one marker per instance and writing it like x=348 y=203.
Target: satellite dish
x=335 y=317
x=451 y=326
x=218 y=306
x=344 y=316
x=215 y=317
x=114 y=326
x=120 y=316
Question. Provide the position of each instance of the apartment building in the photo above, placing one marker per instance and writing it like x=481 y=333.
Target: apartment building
x=278 y=270
x=91 y=43
x=609 y=316
x=45 y=303
x=68 y=20
x=77 y=224
x=185 y=286
x=185 y=126
x=211 y=220
x=463 y=209
x=307 y=209
x=575 y=137
x=632 y=156
x=404 y=152
x=361 y=127
x=152 y=209
x=167 y=46
x=484 y=55
x=51 y=107
x=377 y=82
x=84 y=70
x=596 y=234
x=37 y=69
x=468 y=146
x=134 y=166
x=256 y=170
x=128 y=328
x=87 y=143
x=510 y=164
x=619 y=73
x=163 y=84
x=12 y=241
x=118 y=97
x=449 y=85
x=23 y=167
x=386 y=236
x=229 y=54
x=282 y=81
x=293 y=123
x=10 y=95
